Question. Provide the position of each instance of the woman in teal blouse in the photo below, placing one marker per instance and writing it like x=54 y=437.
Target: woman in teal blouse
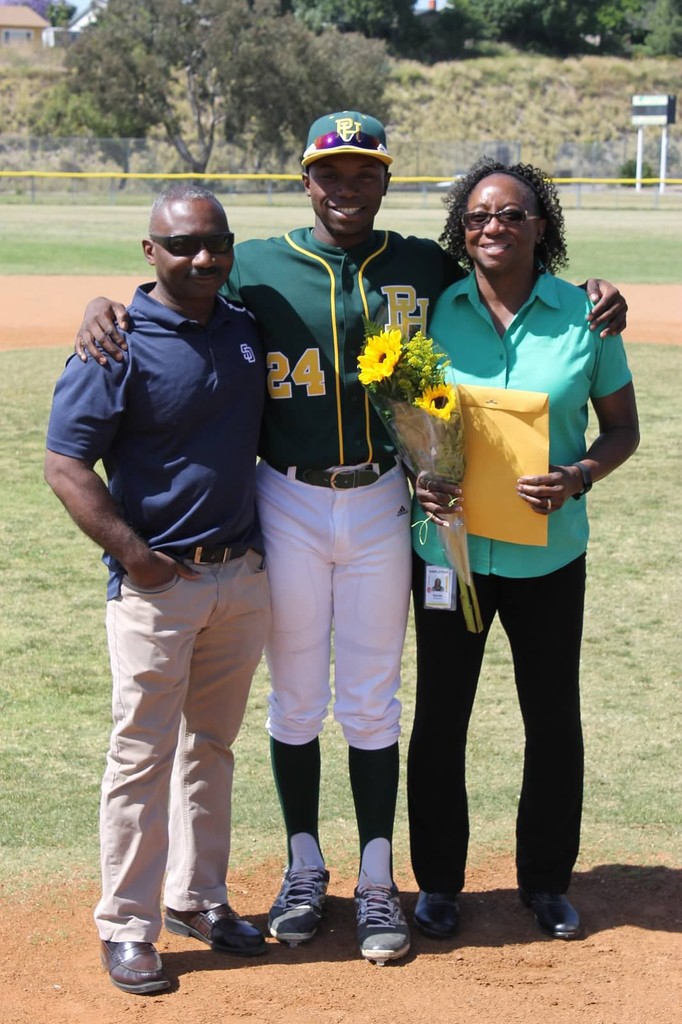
x=512 y=324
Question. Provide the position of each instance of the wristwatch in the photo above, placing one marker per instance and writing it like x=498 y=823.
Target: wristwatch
x=587 y=479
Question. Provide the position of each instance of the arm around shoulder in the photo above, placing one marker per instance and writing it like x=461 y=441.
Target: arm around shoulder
x=609 y=311
x=98 y=335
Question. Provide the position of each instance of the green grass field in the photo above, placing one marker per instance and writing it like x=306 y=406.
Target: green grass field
x=54 y=680
x=635 y=243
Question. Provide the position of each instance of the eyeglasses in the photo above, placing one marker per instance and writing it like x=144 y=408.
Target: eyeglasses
x=190 y=245
x=359 y=140
x=511 y=216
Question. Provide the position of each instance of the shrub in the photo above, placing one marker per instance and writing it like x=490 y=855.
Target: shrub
x=629 y=169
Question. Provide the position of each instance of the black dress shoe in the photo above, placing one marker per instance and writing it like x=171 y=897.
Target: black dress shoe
x=220 y=928
x=437 y=914
x=553 y=913
x=134 y=966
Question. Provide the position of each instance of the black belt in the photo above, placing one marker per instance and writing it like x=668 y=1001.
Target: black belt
x=215 y=555
x=339 y=479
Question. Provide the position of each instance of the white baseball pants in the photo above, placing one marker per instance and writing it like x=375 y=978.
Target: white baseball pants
x=337 y=560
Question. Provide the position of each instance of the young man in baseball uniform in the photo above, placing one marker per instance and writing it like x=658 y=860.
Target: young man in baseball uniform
x=334 y=508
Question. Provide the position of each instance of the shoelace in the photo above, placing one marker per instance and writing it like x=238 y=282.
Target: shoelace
x=379 y=907
x=306 y=885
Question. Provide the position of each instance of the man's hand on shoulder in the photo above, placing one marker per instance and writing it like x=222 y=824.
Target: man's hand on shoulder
x=610 y=308
x=98 y=335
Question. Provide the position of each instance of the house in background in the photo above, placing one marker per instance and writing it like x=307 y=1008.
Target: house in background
x=86 y=15
x=55 y=35
x=21 y=25
x=429 y=6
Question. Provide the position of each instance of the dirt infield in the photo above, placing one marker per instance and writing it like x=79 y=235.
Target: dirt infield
x=45 y=311
x=499 y=970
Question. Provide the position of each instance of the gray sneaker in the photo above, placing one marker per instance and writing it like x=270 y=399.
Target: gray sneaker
x=296 y=913
x=383 y=933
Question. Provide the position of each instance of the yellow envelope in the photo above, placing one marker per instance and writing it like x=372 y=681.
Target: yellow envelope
x=506 y=436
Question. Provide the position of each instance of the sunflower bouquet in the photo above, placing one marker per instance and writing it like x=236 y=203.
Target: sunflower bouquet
x=405 y=380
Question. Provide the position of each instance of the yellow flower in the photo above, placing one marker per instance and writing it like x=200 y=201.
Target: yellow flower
x=380 y=356
x=438 y=401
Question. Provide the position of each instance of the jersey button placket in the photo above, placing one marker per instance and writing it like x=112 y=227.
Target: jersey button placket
x=352 y=410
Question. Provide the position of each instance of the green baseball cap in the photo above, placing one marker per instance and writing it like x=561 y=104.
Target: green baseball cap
x=347 y=131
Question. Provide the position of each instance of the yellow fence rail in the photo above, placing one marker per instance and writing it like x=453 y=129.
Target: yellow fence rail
x=243 y=176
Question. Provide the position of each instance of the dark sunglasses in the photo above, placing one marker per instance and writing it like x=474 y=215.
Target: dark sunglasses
x=190 y=245
x=360 y=140
x=479 y=218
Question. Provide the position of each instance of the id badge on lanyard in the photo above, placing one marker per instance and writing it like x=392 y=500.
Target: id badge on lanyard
x=440 y=588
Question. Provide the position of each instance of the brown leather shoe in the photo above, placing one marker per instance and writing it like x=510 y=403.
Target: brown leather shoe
x=134 y=966
x=220 y=928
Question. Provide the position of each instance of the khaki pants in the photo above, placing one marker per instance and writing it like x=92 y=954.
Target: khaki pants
x=182 y=660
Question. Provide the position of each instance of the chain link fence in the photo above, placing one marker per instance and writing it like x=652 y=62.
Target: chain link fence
x=46 y=168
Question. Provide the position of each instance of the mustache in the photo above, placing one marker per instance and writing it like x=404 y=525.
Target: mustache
x=204 y=272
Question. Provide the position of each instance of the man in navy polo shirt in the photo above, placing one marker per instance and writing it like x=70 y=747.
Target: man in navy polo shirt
x=176 y=425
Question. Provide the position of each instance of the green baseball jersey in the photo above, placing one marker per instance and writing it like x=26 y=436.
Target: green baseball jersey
x=310 y=299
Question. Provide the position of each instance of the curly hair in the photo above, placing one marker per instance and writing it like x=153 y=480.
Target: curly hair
x=551 y=251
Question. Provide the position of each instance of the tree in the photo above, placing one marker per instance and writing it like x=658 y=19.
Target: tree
x=664 y=23
x=552 y=26
x=60 y=13
x=62 y=113
x=445 y=35
x=576 y=26
x=138 y=63
x=376 y=19
x=268 y=104
x=201 y=67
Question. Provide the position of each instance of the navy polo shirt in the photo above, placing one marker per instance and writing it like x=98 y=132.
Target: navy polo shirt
x=176 y=425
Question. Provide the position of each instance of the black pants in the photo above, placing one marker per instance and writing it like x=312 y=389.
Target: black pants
x=542 y=618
